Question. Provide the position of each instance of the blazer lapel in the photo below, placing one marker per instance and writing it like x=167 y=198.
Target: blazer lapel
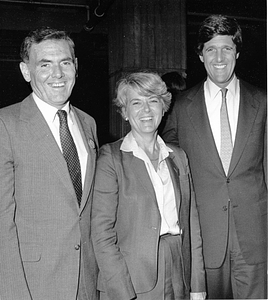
x=91 y=147
x=248 y=109
x=44 y=141
x=197 y=113
x=175 y=177
x=139 y=169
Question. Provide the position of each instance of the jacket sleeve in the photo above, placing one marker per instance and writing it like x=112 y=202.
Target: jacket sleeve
x=197 y=265
x=112 y=265
x=13 y=283
x=169 y=133
x=197 y=261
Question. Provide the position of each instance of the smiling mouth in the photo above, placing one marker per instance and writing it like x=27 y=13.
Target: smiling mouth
x=220 y=66
x=146 y=119
x=57 y=85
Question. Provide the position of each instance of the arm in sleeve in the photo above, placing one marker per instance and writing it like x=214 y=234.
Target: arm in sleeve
x=13 y=284
x=169 y=133
x=112 y=265
x=197 y=269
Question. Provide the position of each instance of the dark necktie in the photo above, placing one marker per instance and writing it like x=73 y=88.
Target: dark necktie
x=226 y=137
x=70 y=154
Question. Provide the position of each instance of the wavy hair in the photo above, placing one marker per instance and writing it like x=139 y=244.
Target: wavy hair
x=146 y=84
x=218 y=25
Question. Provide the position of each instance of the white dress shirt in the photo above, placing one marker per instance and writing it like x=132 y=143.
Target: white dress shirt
x=50 y=114
x=161 y=181
x=213 y=99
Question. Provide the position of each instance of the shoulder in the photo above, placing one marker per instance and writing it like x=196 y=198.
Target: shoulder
x=255 y=91
x=176 y=149
x=13 y=110
x=112 y=148
x=110 y=157
x=189 y=94
x=11 y=114
x=178 y=155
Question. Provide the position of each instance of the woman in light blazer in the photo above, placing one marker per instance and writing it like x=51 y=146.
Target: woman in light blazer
x=145 y=225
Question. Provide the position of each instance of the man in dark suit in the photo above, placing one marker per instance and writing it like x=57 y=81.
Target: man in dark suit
x=46 y=250
x=227 y=155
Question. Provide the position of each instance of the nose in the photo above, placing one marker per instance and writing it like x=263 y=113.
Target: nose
x=146 y=106
x=57 y=71
x=219 y=55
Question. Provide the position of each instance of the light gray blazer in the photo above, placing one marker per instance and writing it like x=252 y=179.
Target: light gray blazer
x=44 y=235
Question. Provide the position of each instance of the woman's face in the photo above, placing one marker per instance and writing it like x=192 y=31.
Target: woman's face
x=144 y=113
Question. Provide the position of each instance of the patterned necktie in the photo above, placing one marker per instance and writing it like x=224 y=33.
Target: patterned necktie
x=226 y=137
x=70 y=154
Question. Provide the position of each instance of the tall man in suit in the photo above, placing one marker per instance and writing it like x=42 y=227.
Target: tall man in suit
x=230 y=195
x=45 y=249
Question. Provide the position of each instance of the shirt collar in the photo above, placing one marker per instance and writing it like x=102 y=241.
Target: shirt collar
x=213 y=89
x=49 y=112
x=129 y=144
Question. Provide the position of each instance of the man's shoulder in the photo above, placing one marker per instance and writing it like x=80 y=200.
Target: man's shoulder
x=189 y=93
x=12 y=111
x=245 y=86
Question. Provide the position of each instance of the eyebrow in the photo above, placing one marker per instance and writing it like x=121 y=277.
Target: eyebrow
x=44 y=60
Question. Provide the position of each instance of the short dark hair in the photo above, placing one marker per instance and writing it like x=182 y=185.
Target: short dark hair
x=218 y=25
x=43 y=34
x=174 y=81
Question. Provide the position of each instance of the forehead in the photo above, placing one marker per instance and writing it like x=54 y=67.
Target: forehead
x=132 y=93
x=50 y=48
x=220 y=40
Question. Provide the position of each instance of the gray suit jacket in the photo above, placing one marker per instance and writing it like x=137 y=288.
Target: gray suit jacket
x=126 y=223
x=44 y=234
x=188 y=125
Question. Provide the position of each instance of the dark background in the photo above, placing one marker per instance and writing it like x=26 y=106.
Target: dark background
x=91 y=92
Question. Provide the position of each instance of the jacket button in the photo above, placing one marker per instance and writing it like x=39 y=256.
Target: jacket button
x=77 y=247
x=228 y=180
x=224 y=208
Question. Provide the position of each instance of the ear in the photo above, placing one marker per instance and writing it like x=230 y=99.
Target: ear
x=124 y=113
x=201 y=58
x=237 y=55
x=25 y=71
x=76 y=66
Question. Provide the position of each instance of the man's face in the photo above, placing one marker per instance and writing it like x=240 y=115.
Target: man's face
x=219 y=58
x=51 y=71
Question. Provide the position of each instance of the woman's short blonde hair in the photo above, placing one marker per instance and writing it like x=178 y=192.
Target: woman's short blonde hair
x=146 y=84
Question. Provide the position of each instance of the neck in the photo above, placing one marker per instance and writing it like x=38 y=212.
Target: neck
x=148 y=143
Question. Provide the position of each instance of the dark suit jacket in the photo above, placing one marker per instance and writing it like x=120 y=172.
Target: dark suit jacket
x=126 y=223
x=44 y=234
x=245 y=184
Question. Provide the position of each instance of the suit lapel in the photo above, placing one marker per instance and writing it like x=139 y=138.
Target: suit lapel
x=91 y=147
x=248 y=109
x=175 y=177
x=197 y=113
x=45 y=142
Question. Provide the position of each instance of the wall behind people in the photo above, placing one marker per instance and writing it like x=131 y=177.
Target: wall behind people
x=251 y=15
x=91 y=93
x=176 y=83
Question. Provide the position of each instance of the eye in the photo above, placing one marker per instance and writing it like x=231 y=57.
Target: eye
x=209 y=50
x=154 y=100
x=67 y=63
x=228 y=48
x=135 y=102
x=45 y=65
